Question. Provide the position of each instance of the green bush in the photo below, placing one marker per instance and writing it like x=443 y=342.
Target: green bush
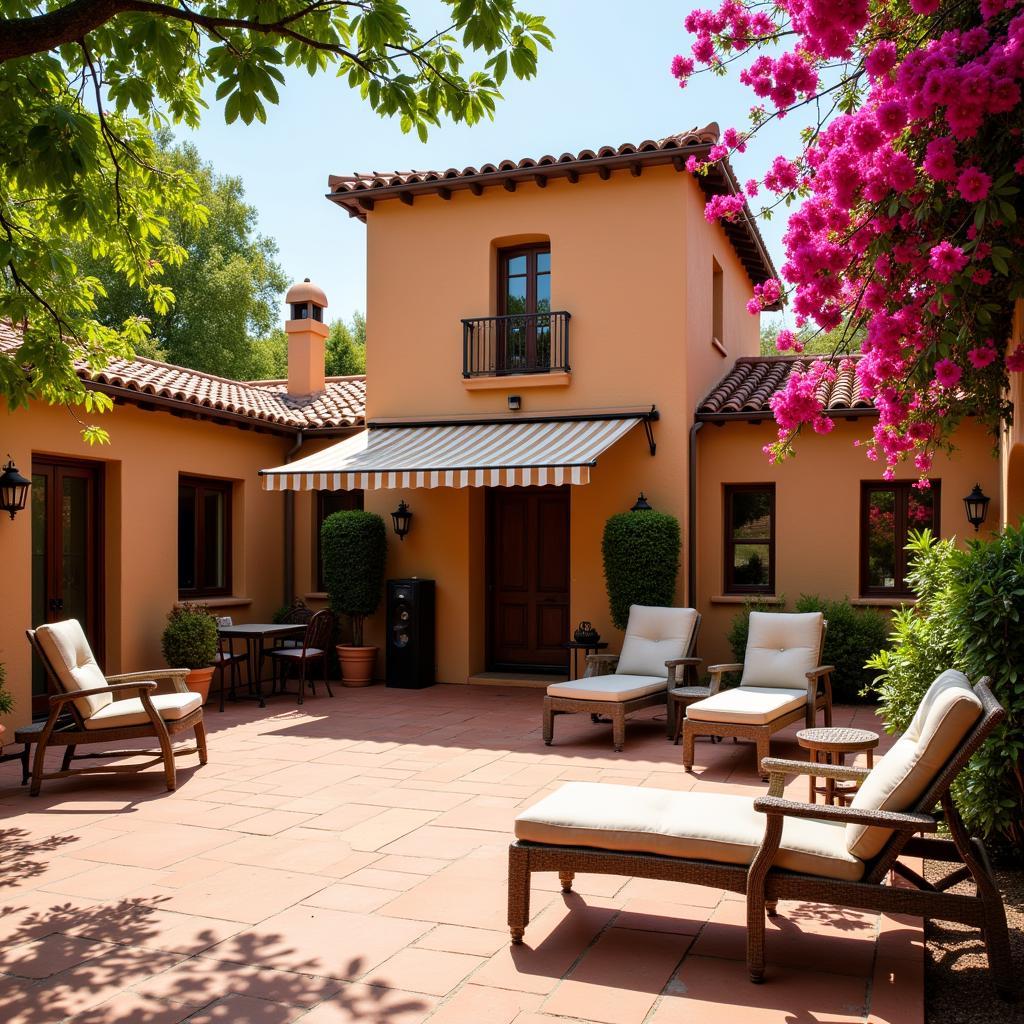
x=854 y=635
x=969 y=616
x=354 y=547
x=190 y=637
x=6 y=700
x=641 y=561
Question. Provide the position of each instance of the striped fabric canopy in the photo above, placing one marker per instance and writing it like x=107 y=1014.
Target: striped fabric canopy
x=510 y=454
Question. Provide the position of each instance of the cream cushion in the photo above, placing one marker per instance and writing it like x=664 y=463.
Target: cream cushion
x=782 y=648
x=693 y=826
x=753 y=705
x=613 y=688
x=947 y=713
x=120 y=713
x=654 y=636
x=68 y=652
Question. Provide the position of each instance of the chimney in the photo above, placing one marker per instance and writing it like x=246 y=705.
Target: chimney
x=307 y=336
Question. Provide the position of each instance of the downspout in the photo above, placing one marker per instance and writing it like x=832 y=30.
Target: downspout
x=691 y=518
x=289 y=528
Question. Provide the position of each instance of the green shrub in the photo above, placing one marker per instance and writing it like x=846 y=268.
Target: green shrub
x=354 y=547
x=641 y=561
x=969 y=616
x=190 y=637
x=6 y=700
x=854 y=635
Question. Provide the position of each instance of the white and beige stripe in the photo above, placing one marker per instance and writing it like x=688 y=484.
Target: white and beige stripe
x=461 y=455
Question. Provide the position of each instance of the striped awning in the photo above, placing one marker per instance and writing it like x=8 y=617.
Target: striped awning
x=507 y=454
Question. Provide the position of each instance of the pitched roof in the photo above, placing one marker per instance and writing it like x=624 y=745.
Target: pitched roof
x=342 y=403
x=744 y=392
x=358 y=193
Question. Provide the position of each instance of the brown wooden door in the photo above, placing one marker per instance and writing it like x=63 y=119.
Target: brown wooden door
x=66 y=553
x=528 y=578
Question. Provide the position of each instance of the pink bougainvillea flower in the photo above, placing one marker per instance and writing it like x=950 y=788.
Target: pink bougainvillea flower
x=947 y=373
x=946 y=260
x=973 y=184
x=983 y=356
x=1015 y=360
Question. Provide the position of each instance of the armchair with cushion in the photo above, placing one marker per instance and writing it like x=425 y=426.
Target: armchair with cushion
x=87 y=707
x=772 y=848
x=783 y=682
x=657 y=653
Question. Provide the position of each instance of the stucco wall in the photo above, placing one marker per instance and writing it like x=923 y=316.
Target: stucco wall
x=148 y=450
x=817 y=496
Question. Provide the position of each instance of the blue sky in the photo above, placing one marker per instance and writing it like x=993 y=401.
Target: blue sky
x=606 y=82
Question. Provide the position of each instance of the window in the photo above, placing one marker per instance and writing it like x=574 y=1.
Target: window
x=750 y=539
x=717 y=307
x=524 y=295
x=889 y=511
x=328 y=502
x=204 y=537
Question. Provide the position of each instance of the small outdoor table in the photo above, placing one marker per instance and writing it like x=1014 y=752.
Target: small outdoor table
x=255 y=635
x=830 y=745
x=587 y=648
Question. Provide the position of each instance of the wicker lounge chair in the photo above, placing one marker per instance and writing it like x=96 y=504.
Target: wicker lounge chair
x=773 y=848
x=657 y=653
x=783 y=682
x=87 y=707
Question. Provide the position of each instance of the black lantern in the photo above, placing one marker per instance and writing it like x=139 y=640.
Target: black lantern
x=401 y=517
x=13 y=489
x=641 y=504
x=976 y=504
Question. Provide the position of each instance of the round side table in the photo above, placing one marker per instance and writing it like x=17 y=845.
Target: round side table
x=679 y=699
x=830 y=745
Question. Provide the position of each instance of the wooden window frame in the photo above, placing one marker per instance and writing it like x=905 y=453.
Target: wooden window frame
x=718 y=308
x=902 y=489
x=226 y=488
x=729 y=586
x=531 y=252
x=320 y=515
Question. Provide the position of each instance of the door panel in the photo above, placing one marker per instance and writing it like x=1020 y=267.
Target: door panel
x=528 y=577
x=66 y=553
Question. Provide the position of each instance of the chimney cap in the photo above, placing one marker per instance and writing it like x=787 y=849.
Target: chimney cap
x=306 y=291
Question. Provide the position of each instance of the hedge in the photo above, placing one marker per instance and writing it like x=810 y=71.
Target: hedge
x=641 y=561
x=354 y=548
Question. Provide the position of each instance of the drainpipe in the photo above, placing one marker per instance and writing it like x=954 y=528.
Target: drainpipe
x=289 y=528
x=691 y=518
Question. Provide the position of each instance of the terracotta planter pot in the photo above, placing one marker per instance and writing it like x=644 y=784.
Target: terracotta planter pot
x=198 y=681
x=357 y=664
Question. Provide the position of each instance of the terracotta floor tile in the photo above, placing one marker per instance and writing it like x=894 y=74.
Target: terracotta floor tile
x=105 y=881
x=375 y=877
x=896 y=993
x=130 y=1007
x=45 y=957
x=232 y=1009
x=652 y=916
x=475 y=1004
x=147 y=926
x=619 y=977
x=358 y=898
x=386 y=828
x=424 y=970
x=367 y=1004
x=152 y=845
x=270 y=823
x=411 y=865
x=431 y=841
x=454 y=938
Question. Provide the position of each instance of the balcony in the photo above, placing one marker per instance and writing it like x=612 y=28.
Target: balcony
x=522 y=343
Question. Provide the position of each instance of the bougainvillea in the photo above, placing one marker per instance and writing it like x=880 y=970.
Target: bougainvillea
x=908 y=226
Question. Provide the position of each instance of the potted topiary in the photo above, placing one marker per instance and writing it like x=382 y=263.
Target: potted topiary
x=6 y=701
x=190 y=641
x=641 y=561
x=354 y=546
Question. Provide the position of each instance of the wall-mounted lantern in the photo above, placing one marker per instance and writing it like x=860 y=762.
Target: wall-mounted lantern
x=976 y=504
x=641 y=504
x=13 y=489
x=401 y=518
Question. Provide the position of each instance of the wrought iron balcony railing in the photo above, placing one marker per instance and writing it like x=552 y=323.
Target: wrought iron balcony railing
x=493 y=346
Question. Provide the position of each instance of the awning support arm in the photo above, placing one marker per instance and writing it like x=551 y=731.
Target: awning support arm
x=649 y=430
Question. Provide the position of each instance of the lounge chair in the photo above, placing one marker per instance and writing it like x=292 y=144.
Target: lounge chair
x=772 y=848
x=87 y=707
x=657 y=653
x=783 y=682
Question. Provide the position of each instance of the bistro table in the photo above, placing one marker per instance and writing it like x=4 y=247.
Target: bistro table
x=255 y=636
x=830 y=745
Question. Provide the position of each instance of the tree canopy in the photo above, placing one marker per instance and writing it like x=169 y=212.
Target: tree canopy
x=85 y=83
x=910 y=208
x=345 y=356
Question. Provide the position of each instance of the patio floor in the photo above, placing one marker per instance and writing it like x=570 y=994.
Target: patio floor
x=344 y=862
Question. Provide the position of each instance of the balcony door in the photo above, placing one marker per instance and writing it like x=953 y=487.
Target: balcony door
x=524 y=342
x=528 y=578
x=66 y=553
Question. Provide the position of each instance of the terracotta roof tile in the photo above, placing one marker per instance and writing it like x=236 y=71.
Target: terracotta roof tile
x=342 y=404
x=358 y=193
x=744 y=392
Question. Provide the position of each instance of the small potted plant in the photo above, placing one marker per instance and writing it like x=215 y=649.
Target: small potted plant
x=354 y=546
x=190 y=641
x=6 y=701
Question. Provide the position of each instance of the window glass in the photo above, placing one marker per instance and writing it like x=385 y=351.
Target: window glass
x=204 y=537
x=749 y=538
x=889 y=512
